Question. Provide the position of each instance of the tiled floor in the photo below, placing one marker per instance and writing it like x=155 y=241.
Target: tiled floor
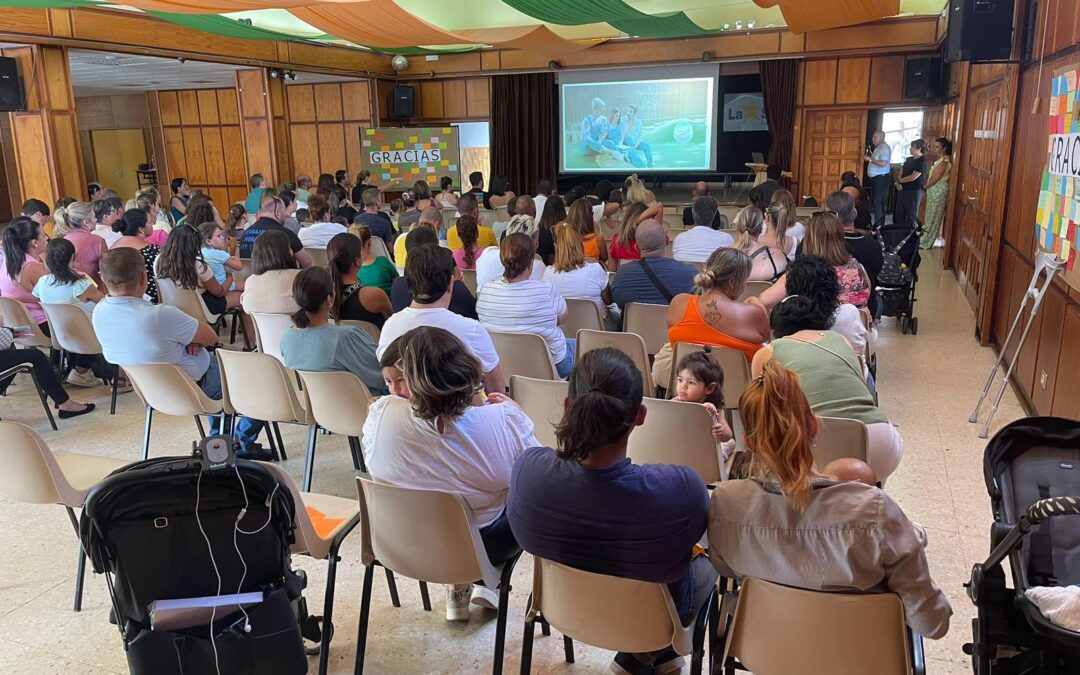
x=928 y=384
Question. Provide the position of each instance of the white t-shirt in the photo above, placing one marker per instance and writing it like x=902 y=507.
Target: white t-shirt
x=472 y=458
x=107 y=234
x=586 y=282
x=133 y=331
x=698 y=243
x=848 y=322
x=524 y=307
x=489 y=267
x=467 y=330
x=64 y=294
x=797 y=231
x=540 y=201
x=319 y=235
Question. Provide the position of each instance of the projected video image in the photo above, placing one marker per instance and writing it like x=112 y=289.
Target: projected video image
x=650 y=125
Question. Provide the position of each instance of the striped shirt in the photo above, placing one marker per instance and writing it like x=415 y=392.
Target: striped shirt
x=528 y=306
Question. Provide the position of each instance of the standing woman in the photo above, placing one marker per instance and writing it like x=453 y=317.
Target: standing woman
x=353 y=300
x=500 y=194
x=910 y=184
x=447 y=198
x=24 y=250
x=181 y=193
x=937 y=192
x=76 y=223
x=134 y=228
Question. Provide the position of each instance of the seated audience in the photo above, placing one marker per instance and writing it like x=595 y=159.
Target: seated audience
x=500 y=194
x=462 y=301
x=476 y=183
x=489 y=265
x=519 y=304
x=772 y=182
x=134 y=228
x=107 y=211
x=270 y=217
x=701 y=189
x=830 y=374
x=613 y=516
x=447 y=198
x=422 y=200
x=848 y=469
x=378 y=222
x=777 y=221
x=624 y=245
x=215 y=251
x=76 y=223
x=700 y=379
x=445 y=437
x=24 y=243
x=572 y=275
x=376 y=271
x=795 y=226
x=393 y=377
x=468 y=231
x=699 y=242
x=655 y=278
x=430 y=276
x=635 y=192
x=864 y=246
x=768 y=262
x=430 y=217
x=593 y=244
x=254 y=200
x=554 y=213
x=353 y=300
x=316 y=344
x=786 y=514
x=10 y=357
x=291 y=223
x=269 y=288
x=499 y=228
x=39 y=212
x=322 y=228
x=133 y=332
x=182 y=263
x=467 y=206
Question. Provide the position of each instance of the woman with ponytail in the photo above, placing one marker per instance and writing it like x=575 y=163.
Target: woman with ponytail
x=789 y=512
x=572 y=275
x=446 y=436
x=24 y=244
x=768 y=262
x=612 y=516
x=353 y=301
x=316 y=344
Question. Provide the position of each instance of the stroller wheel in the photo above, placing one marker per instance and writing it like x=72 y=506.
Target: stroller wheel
x=914 y=325
x=904 y=325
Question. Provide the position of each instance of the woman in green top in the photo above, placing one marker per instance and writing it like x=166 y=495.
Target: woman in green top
x=830 y=374
x=374 y=271
x=937 y=192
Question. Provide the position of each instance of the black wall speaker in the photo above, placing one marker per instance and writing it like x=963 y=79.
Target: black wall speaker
x=922 y=78
x=980 y=30
x=11 y=89
x=404 y=103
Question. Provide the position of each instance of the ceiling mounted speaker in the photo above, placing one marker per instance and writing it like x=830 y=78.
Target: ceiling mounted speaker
x=399 y=63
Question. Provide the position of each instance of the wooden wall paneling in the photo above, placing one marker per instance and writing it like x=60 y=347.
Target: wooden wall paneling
x=478 y=97
x=257 y=102
x=878 y=36
x=454 y=105
x=189 y=108
x=214 y=155
x=220 y=195
x=852 y=81
x=235 y=168
x=819 y=86
x=886 y=79
x=56 y=78
x=157 y=142
x=328 y=102
x=282 y=154
x=173 y=140
x=356 y=100
x=1052 y=319
x=1066 y=384
x=67 y=153
x=331 y=147
x=252 y=87
x=194 y=157
x=301 y=102
x=260 y=159
x=208 y=107
x=33 y=169
x=431 y=100
x=228 y=106
x=1003 y=296
x=304 y=139
x=169 y=107
x=352 y=145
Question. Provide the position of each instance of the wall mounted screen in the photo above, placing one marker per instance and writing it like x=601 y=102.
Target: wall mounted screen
x=408 y=154
x=648 y=120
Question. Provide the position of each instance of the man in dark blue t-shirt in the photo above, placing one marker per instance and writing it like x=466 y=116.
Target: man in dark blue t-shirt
x=270 y=217
x=378 y=222
x=632 y=282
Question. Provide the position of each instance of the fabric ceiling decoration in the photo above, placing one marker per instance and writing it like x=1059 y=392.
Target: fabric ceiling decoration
x=803 y=16
x=617 y=12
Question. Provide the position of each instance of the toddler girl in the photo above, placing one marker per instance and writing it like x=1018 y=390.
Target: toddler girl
x=215 y=251
x=700 y=379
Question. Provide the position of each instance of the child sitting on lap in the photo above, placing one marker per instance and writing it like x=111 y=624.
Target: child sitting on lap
x=215 y=251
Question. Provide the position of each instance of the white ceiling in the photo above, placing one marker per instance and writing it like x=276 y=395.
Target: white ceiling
x=95 y=73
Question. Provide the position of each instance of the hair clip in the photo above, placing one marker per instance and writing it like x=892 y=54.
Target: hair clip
x=793 y=295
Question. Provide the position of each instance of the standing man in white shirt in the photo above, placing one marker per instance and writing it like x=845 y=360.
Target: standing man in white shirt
x=879 y=170
x=699 y=242
x=544 y=189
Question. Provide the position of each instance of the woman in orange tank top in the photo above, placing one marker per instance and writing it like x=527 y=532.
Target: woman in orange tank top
x=716 y=317
x=580 y=215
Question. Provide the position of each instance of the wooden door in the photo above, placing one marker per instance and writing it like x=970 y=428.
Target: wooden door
x=117 y=155
x=833 y=142
x=979 y=200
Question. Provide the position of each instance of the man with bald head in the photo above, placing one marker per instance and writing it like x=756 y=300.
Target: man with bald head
x=701 y=189
x=430 y=217
x=655 y=278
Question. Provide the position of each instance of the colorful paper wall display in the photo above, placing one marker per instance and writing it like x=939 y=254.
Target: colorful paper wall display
x=1059 y=196
x=405 y=155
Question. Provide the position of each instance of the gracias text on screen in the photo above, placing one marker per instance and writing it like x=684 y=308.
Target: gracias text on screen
x=405 y=156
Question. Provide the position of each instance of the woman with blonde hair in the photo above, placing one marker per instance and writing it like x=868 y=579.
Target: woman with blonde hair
x=76 y=223
x=777 y=221
x=768 y=262
x=573 y=276
x=624 y=244
x=635 y=192
x=789 y=512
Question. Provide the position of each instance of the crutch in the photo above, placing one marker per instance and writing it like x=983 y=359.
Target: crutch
x=1044 y=262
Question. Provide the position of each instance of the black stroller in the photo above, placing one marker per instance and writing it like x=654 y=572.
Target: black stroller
x=899 y=273
x=142 y=529
x=1032 y=469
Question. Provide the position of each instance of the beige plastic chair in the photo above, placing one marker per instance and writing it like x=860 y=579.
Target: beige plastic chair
x=649 y=322
x=777 y=630
x=428 y=536
x=338 y=402
x=613 y=613
x=488 y=217
x=468 y=277
x=168 y=389
x=33 y=474
x=269 y=329
x=187 y=300
x=14 y=313
x=263 y=389
x=524 y=354
x=371 y=329
x=542 y=401
x=581 y=314
x=449 y=216
x=28 y=369
x=838 y=438
x=378 y=248
x=501 y=215
x=676 y=432
x=754 y=289
x=628 y=343
x=318 y=256
x=74 y=333
x=247 y=270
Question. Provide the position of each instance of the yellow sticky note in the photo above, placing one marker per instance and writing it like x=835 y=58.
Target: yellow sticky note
x=412 y=139
x=399 y=145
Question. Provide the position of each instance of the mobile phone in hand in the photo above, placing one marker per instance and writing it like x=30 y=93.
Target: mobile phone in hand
x=21 y=331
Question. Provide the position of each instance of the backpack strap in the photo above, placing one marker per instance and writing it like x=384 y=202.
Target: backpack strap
x=655 y=280
x=350 y=291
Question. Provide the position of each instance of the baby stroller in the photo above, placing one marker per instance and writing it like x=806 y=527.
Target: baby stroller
x=165 y=529
x=899 y=273
x=1032 y=472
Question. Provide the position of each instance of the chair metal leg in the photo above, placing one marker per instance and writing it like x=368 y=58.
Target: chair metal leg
x=424 y=597
x=545 y=627
x=44 y=401
x=232 y=333
x=80 y=571
x=698 y=644
x=146 y=433
x=526 y=646
x=715 y=655
x=328 y=612
x=391 y=585
x=365 y=612
x=280 y=443
x=357 y=454
x=115 y=381
x=568 y=648
x=500 y=620
x=198 y=423
x=273 y=444
x=309 y=461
